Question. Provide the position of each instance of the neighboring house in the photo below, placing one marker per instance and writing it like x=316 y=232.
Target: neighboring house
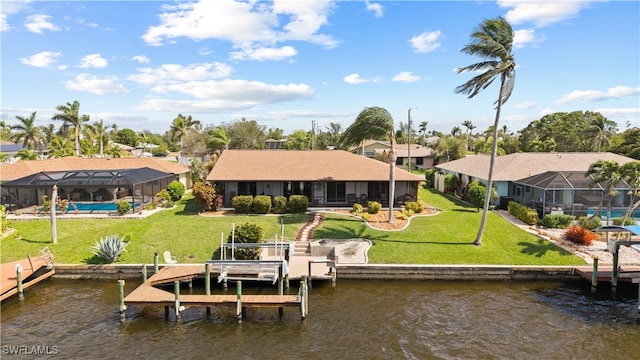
x=420 y=155
x=272 y=144
x=11 y=149
x=327 y=177
x=549 y=182
x=82 y=179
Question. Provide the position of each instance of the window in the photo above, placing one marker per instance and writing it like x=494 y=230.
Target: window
x=336 y=191
x=247 y=188
x=377 y=189
x=419 y=161
x=399 y=161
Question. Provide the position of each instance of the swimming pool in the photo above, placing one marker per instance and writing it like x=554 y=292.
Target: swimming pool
x=616 y=213
x=90 y=207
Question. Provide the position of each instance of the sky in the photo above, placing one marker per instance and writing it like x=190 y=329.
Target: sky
x=288 y=64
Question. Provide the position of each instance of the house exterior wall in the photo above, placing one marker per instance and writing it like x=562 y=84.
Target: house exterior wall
x=427 y=162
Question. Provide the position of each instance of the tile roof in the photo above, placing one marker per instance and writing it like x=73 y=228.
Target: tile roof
x=287 y=165
x=521 y=165
x=25 y=168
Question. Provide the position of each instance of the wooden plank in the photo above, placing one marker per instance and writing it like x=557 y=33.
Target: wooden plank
x=28 y=284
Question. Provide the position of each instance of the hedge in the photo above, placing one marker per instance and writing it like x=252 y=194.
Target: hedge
x=242 y=204
x=298 y=204
x=280 y=205
x=524 y=213
x=262 y=204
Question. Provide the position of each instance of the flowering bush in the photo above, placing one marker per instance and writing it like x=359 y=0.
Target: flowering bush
x=579 y=235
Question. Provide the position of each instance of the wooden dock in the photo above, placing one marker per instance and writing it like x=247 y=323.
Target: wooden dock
x=148 y=294
x=626 y=273
x=34 y=270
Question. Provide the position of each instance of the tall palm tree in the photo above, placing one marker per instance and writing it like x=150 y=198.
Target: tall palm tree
x=60 y=147
x=101 y=133
x=181 y=125
x=48 y=132
x=631 y=175
x=492 y=41
x=335 y=132
x=469 y=125
x=423 y=130
x=602 y=130
x=218 y=139
x=27 y=132
x=375 y=122
x=70 y=115
x=455 y=131
x=607 y=174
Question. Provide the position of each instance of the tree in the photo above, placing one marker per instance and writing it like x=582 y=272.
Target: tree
x=5 y=130
x=371 y=123
x=217 y=139
x=492 y=41
x=631 y=175
x=70 y=115
x=102 y=135
x=27 y=154
x=629 y=145
x=27 y=132
x=469 y=125
x=60 y=147
x=275 y=134
x=455 y=131
x=298 y=140
x=602 y=129
x=423 y=130
x=334 y=131
x=126 y=137
x=114 y=151
x=606 y=174
x=477 y=192
x=181 y=125
x=245 y=134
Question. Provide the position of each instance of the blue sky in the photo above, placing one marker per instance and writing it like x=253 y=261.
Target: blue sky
x=288 y=63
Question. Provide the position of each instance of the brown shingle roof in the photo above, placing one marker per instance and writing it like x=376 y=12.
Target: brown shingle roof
x=25 y=168
x=287 y=165
x=521 y=165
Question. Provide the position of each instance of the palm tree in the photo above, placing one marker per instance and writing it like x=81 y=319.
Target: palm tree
x=455 y=131
x=60 y=147
x=48 y=133
x=27 y=132
x=5 y=130
x=423 y=130
x=631 y=175
x=218 y=139
x=375 y=122
x=335 y=132
x=27 y=154
x=469 y=125
x=492 y=41
x=606 y=174
x=181 y=125
x=70 y=115
x=102 y=134
x=602 y=129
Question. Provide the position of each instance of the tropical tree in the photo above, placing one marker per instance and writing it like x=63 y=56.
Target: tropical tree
x=423 y=130
x=114 y=151
x=374 y=122
x=70 y=115
x=469 y=125
x=629 y=144
x=298 y=140
x=27 y=154
x=48 y=133
x=5 y=130
x=217 y=139
x=606 y=174
x=455 y=131
x=631 y=175
x=181 y=125
x=492 y=41
x=60 y=147
x=27 y=132
x=245 y=134
x=102 y=135
x=602 y=129
x=334 y=131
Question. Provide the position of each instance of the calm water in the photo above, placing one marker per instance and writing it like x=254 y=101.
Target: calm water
x=358 y=320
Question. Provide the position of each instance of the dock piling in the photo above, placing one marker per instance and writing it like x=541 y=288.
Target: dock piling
x=19 y=280
x=155 y=262
x=121 y=305
x=239 y=298
x=614 y=275
x=594 y=276
x=144 y=273
x=207 y=283
x=176 y=287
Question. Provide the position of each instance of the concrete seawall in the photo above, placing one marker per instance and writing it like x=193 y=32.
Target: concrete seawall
x=362 y=272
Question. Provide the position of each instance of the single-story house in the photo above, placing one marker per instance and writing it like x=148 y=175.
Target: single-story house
x=420 y=155
x=11 y=150
x=24 y=183
x=548 y=182
x=326 y=177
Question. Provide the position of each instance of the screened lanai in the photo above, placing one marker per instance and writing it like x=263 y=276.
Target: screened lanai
x=87 y=186
x=557 y=192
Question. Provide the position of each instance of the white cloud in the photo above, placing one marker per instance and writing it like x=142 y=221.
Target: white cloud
x=10 y=8
x=39 y=22
x=141 y=59
x=525 y=105
x=4 y=24
x=247 y=25
x=41 y=60
x=425 y=42
x=541 y=13
x=95 y=84
x=227 y=94
x=354 y=79
x=407 y=77
x=376 y=8
x=264 y=53
x=93 y=61
x=594 y=95
x=173 y=73
x=526 y=36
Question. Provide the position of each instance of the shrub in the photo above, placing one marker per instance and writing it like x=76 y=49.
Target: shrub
x=123 y=207
x=579 y=235
x=280 y=205
x=247 y=233
x=590 y=223
x=366 y=216
x=46 y=206
x=176 y=190
x=151 y=206
x=262 y=204
x=429 y=177
x=627 y=222
x=110 y=248
x=298 y=204
x=218 y=202
x=450 y=183
x=204 y=194
x=373 y=207
x=242 y=204
x=164 y=195
x=357 y=209
x=477 y=192
x=414 y=206
x=405 y=214
x=3 y=218
x=524 y=213
x=557 y=221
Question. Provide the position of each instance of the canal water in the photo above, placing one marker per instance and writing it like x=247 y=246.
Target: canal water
x=78 y=319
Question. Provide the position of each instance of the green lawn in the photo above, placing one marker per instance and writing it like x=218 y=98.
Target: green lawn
x=190 y=237
x=447 y=238
x=440 y=239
